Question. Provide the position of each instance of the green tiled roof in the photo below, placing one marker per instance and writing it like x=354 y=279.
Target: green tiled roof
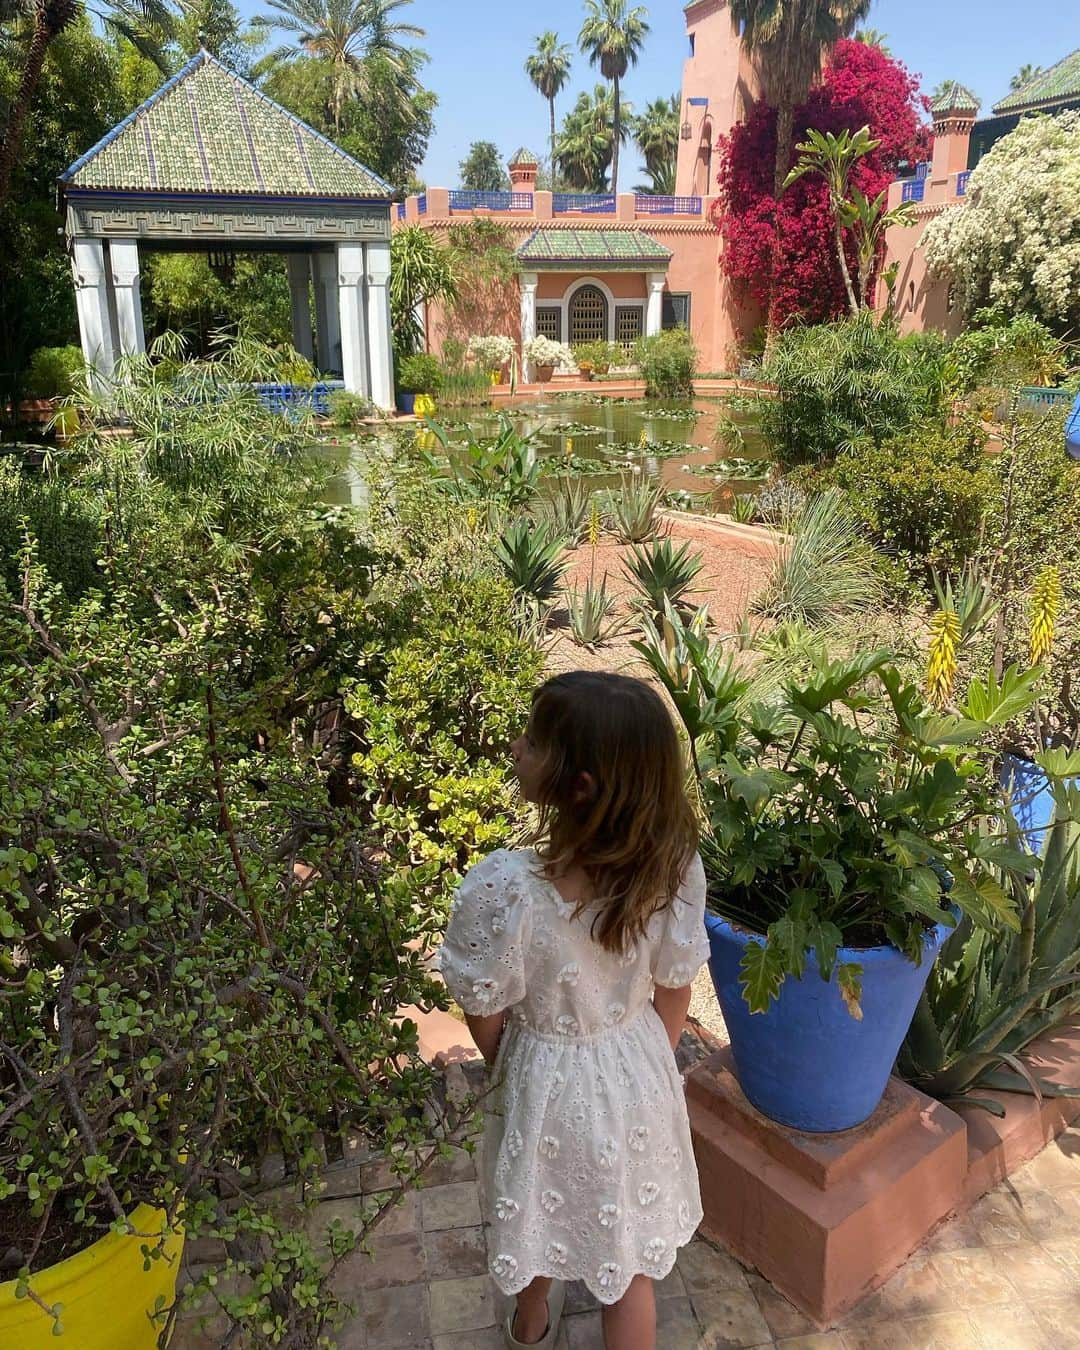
x=1055 y=85
x=524 y=156
x=954 y=97
x=208 y=131
x=613 y=248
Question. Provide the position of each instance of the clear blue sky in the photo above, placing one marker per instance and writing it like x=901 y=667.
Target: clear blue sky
x=478 y=49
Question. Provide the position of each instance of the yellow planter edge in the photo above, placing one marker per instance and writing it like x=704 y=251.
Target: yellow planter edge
x=105 y=1292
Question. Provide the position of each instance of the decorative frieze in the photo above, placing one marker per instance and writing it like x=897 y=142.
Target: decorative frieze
x=216 y=223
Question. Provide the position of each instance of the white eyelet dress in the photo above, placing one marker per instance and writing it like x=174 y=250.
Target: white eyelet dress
x=588 y=1171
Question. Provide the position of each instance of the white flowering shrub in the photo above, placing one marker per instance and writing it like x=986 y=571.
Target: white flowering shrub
x=493 y=351
x=545 y=351
x=1015 y=243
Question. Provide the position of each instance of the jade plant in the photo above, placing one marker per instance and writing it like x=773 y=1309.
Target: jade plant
x=843 y=811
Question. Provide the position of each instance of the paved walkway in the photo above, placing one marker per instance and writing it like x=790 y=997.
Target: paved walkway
x=1006 y=1276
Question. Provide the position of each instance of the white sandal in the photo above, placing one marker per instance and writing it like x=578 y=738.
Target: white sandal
x=556 y=1296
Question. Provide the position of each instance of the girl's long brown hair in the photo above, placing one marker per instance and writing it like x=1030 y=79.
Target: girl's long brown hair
x=635 y=834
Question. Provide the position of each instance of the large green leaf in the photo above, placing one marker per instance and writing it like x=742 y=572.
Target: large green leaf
x=762 y=973
x=984 y=900
x=995 y=704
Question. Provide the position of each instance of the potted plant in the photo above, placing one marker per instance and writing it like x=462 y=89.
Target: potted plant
x=545 y=355
x=596 y=357
x=417 y=375
x=52 y=376
x=842 y=844
x=493 y=353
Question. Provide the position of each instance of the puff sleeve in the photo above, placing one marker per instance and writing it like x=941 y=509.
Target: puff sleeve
x=684 y=945
x=482 y=958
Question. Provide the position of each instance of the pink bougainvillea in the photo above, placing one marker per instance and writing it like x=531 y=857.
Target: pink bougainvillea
x=800 y=276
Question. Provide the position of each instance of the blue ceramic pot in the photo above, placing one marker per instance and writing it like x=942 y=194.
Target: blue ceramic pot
x=1032 y=798
x=807 y=1062
x=406 y=403
x=1072 y=430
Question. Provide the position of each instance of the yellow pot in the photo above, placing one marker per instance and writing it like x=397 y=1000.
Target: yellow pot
x=106 y=1295
x=424 y=405
x=496 y=377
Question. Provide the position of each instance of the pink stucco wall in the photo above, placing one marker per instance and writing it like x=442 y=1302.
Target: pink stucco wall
x=922 y=301
x=717 y=70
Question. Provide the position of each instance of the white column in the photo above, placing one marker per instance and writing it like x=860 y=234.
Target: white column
x=300 y=296
x=351 y=318
x=327 y=328
x=654 y=313
x=380 y=349
x=124 y=267
x=528 y=316
x=92 y=304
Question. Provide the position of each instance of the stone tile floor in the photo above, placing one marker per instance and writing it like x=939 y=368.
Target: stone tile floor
x=1005 y=1276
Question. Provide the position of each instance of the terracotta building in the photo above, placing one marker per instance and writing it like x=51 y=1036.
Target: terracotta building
x=600 y=266
x=960 y=141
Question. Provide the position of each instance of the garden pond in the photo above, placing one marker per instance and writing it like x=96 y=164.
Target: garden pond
x=704 y=451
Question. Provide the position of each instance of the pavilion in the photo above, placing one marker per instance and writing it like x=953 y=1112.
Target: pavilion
x=210 y=164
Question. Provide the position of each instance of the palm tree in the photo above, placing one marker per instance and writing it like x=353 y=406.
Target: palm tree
x=549 y=69
x=873 y=37
x=48 y=19
x=612 y=37
x=346 y=34
x=787 y=40
x=1024 y=75
x=585 y=146
x=656 y=132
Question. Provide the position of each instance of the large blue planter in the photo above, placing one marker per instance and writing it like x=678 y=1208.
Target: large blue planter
x=807 y=1062
x=406 y=403
x=1072 y=430
x=1032 y=799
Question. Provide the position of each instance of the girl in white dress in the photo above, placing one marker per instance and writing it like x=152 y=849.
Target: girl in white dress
x=573 y=963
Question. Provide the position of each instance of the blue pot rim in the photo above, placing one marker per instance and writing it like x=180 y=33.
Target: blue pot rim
x=864 y=956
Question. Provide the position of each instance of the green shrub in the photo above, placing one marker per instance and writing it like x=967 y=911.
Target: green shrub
x=63 y=521
x=348 y=409
x=419 y=374
x=842 y=384
x=924 y=494
x=53 y=371
x=1035 y=517
x=244 y=684
x=1004 y=354
x=667 y=362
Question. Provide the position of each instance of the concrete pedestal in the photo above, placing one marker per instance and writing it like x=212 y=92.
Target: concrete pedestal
x=825 y=1218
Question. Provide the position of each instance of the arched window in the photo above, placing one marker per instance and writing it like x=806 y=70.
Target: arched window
x=911 y=296
x=588 y=317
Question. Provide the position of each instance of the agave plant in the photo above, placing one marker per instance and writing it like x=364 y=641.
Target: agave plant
x=592 y=618
x=743 y=508
x=569 y=507
x=635 y=507
x=991 y=994
x=970 y=599
x=530 y=553
x=660 y=571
